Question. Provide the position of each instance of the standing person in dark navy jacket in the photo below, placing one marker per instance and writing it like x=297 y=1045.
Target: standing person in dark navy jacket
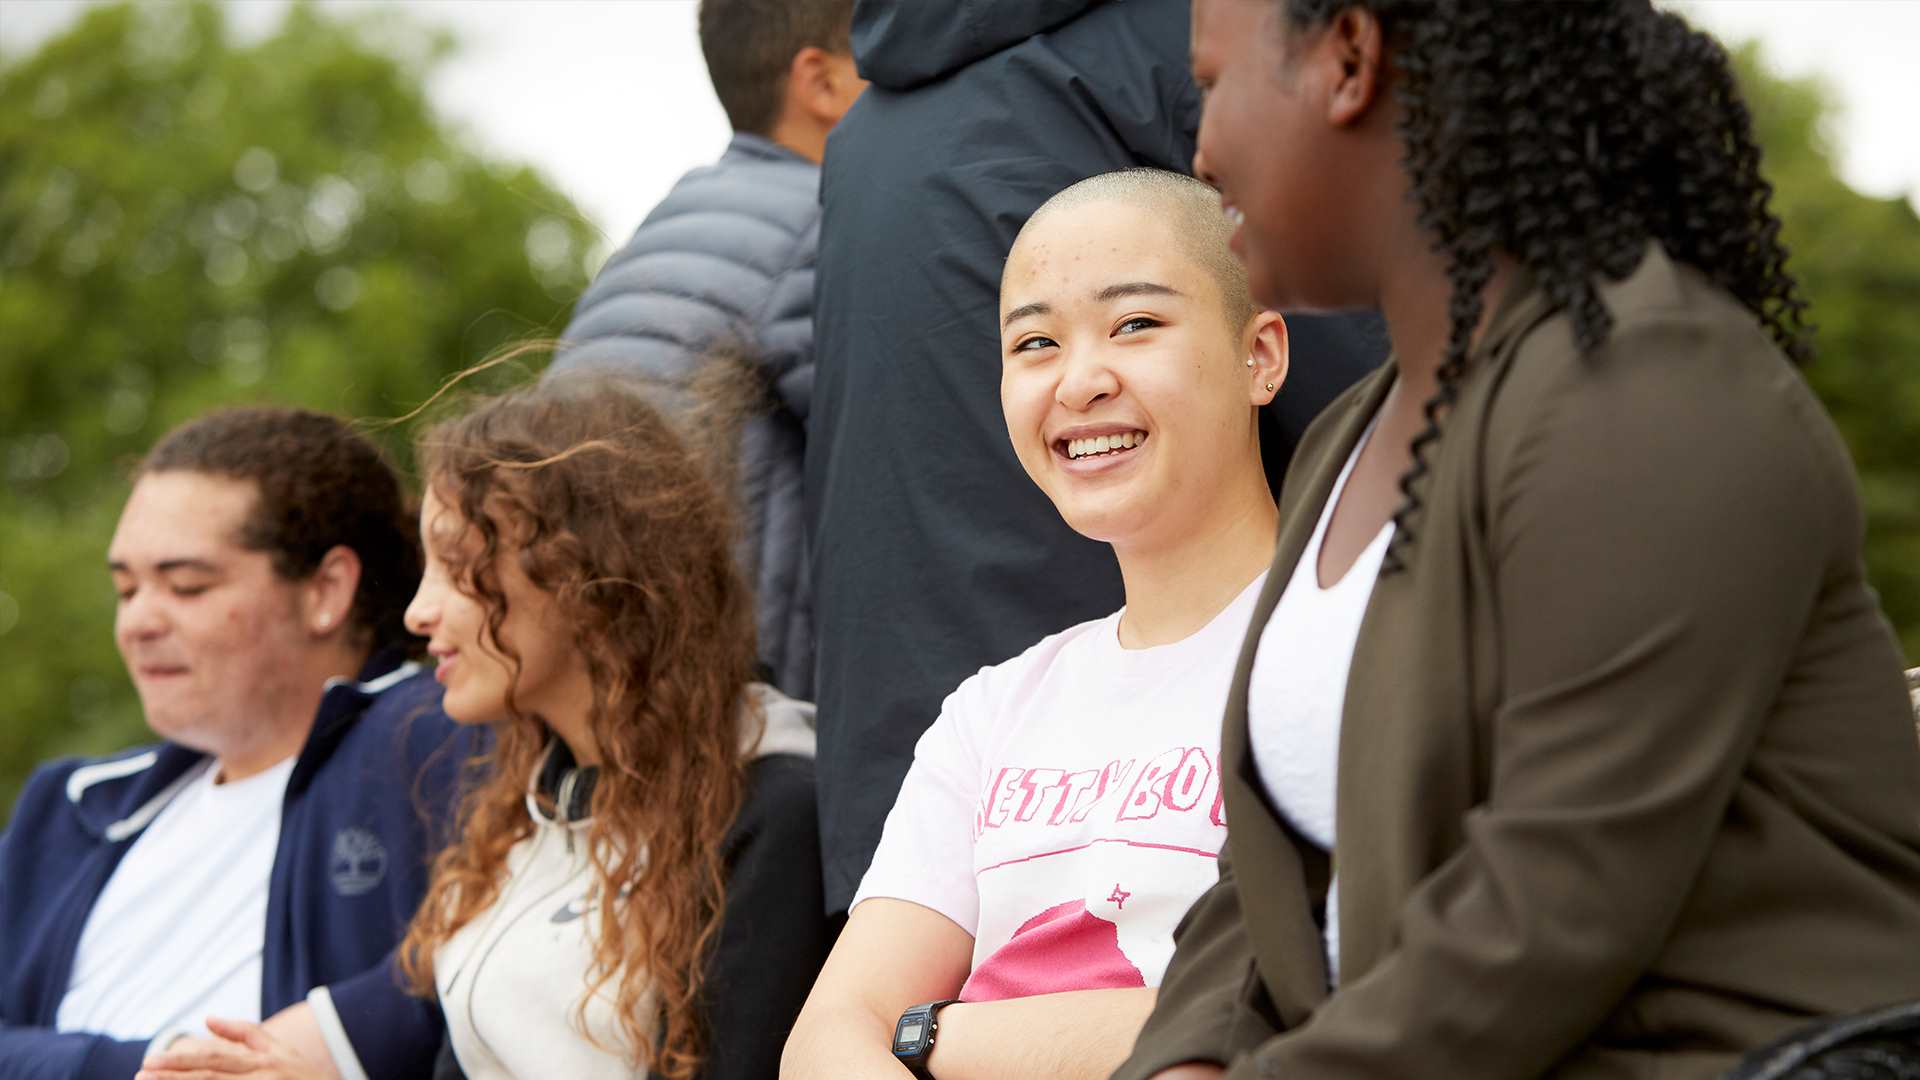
x=277 y=839
x=933 y=556
x=728 y=258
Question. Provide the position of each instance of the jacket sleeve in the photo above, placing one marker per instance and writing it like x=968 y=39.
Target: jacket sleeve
x=373 y=1027
x=28 y=1053
x=775 y=935
x=371 y=1024
x=628 y=322
x=1203 y=1012
x=1658 y=531
x=447 y=1066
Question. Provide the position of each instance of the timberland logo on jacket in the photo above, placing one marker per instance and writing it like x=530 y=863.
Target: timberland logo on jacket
x=359 y=861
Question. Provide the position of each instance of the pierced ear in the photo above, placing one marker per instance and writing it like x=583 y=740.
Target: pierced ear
x=1357 y=45
x=1267 y=350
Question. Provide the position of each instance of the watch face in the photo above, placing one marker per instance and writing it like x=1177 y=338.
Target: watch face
x=909 y=1034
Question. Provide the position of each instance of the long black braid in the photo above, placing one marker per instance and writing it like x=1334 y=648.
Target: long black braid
x=1568 y=134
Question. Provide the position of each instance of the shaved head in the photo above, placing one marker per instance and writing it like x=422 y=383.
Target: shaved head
x=1191 y=208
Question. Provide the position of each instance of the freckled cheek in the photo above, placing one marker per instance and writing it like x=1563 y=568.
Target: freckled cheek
x=240 y=634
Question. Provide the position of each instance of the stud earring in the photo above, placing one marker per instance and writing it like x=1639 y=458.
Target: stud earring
x=323 y=621
x=1249 y=361
x=1269 y=388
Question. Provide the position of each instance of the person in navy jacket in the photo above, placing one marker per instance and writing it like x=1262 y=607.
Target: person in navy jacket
x=277 y=838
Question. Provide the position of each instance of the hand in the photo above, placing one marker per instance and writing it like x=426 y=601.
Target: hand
x=242 y=1049
x=185 y=1045
x=1192 y=1070
x=296 y=1028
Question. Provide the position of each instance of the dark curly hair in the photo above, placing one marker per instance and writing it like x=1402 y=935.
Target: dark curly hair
x=618 y=512
x=1568 y=135
x=321 y=485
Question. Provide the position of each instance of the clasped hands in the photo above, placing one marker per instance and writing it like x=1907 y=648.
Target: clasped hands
x=238 y=1048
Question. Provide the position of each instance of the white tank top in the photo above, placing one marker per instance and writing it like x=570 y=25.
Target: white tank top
x=1300 y=686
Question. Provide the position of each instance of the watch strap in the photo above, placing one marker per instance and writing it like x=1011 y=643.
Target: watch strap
x=914 y=1034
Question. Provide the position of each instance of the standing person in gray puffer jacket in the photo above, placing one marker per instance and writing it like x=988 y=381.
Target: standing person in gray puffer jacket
x=727 y=258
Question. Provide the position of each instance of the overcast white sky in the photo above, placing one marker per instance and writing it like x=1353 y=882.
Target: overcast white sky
x=611 y=99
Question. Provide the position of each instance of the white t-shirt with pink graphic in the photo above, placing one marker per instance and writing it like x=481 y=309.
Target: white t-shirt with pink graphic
x=1065 y=808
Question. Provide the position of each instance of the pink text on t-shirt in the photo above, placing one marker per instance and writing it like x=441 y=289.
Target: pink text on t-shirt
x=1178 y=779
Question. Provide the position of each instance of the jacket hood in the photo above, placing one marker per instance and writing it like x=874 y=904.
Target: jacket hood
x=900 y=44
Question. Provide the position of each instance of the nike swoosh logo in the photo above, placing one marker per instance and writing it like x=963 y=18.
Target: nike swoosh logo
x=570 y=911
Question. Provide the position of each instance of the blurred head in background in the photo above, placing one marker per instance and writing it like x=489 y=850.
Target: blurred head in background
x=783 y=69
x=262 y=552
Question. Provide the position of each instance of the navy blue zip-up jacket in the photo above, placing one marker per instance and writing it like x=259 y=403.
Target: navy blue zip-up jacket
x=366 y=805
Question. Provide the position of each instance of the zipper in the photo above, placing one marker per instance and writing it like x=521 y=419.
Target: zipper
x=500 y=906
x=565 y=808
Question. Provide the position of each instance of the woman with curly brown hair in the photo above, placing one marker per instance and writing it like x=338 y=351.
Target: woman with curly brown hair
x=635 y=886
x=1624 y=781
x=581 y=595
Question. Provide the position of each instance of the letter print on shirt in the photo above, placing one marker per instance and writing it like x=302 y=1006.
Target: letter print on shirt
x=1137 y=849
x=1078 y=783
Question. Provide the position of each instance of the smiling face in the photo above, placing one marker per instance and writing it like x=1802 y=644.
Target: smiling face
x=1296 y=158
x=1125 y=389
x=211 y=635
x=551 y=682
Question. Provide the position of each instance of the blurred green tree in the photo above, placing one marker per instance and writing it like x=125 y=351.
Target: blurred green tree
x=1858 y=262
x=188 y=220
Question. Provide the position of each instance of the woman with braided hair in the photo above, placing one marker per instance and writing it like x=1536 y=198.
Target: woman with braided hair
x=1568 y=603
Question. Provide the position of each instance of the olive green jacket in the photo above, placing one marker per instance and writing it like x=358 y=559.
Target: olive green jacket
x=1627 y=780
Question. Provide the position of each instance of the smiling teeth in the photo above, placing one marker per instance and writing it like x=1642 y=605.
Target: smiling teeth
x=1104 y=444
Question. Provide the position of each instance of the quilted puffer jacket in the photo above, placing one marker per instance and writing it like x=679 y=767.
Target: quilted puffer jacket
x=728 y=257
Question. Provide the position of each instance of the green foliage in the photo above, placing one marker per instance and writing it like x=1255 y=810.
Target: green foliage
x=1858 y=262
x=186 y=221
x=189 y=221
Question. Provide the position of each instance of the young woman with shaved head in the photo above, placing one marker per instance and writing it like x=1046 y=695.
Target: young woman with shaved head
x=1063 y=811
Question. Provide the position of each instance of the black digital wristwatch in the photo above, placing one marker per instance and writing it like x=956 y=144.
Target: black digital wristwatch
x=913 y=1036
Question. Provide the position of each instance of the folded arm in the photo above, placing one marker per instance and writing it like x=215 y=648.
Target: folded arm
x=894 y=954
x=1078 y=1033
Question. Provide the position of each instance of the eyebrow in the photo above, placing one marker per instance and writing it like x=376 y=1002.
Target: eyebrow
x=1111 y=292
x=1136 y=288
x=167 y=565
x=1038 y=307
